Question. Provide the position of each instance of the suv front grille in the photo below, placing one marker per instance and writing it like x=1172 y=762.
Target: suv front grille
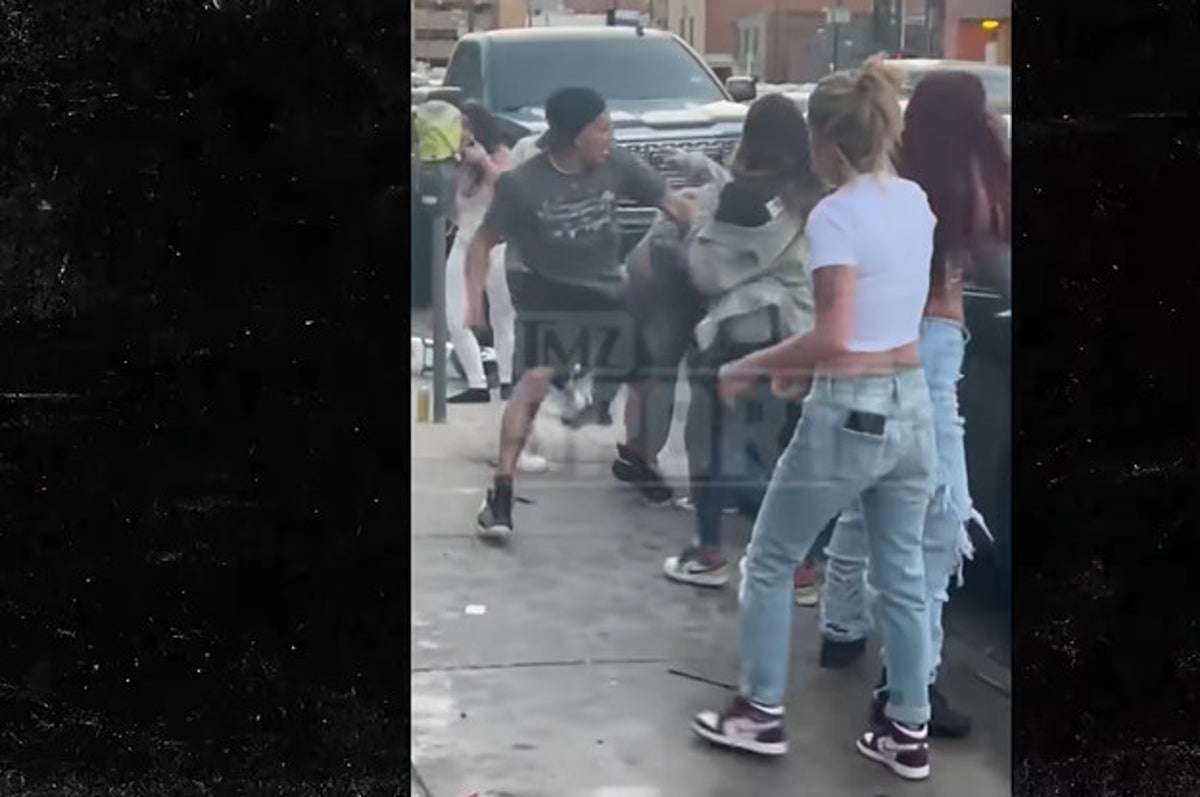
x=656 y=153
x=635 y=219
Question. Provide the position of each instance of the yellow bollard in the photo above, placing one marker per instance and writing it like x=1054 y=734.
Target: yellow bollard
x=424 y=403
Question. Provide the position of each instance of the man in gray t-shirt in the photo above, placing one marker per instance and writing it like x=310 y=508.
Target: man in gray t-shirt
x=559 y=211
x=563 y=226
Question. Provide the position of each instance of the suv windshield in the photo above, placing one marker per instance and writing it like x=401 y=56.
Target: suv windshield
x=518 y=75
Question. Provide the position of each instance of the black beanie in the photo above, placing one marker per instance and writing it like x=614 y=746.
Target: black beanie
x=568 y=111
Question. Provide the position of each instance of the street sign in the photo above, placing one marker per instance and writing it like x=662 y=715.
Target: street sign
x=837 y=16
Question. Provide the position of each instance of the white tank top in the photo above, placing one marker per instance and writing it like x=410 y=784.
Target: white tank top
x=881 y=225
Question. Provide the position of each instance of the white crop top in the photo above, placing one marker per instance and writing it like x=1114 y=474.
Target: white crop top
x=882 y=225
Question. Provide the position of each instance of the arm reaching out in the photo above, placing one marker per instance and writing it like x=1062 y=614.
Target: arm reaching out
x=791 y=363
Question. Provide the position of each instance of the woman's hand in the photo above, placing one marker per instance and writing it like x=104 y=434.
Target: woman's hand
x=733 y=380
x=474 y=154
x=681 y=210
x=790 y=388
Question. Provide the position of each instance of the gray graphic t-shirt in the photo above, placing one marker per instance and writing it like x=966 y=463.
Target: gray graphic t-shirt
x=564 y=227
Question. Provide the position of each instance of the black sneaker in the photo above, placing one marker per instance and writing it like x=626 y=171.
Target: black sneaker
x=901 y=748
x=743 y=726
x=474 y=395
x=838 y=655
x=495 y=516
x=505 y=392
x=631 y=468
x=944 y=721
x=625 y=466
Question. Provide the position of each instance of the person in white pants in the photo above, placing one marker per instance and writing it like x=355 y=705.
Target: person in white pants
x=483 y=158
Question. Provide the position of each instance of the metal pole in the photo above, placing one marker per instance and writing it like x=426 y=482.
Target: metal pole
x=903 y=23
x=438 y=264
x=837 y=36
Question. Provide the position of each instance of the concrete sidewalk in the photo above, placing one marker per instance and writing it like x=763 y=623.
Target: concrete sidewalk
x=565 y=665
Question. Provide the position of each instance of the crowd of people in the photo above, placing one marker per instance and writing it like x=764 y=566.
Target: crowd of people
x=813 y=290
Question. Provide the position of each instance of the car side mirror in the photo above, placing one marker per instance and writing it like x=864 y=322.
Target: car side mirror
x=741 y=89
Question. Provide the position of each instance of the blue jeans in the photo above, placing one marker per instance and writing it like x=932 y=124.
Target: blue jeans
x=870 y=437
x=845 y=615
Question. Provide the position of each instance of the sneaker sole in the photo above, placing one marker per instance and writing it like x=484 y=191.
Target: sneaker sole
x=807 y=601
x=908 y=773
x=759 y=748
x=696 y=579
x=493 y=533
x=686 y=505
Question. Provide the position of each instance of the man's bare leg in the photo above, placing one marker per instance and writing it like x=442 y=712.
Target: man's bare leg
x=517 y=419
x=495 y=516
x=636 y=416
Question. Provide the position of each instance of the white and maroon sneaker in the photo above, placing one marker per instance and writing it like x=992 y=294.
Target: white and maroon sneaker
x=699 y=567
x=744 y=726
x=902 y=749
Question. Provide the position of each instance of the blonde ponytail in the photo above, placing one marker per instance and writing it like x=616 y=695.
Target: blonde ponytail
x=860 y=113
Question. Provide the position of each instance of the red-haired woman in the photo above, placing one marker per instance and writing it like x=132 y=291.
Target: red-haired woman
x=952 y=147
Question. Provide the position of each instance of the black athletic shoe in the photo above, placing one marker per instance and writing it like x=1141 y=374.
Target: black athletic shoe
x=838 y=655
x=944 y=721
x=505 y=392
x=625 y=466
x=474 y=395
x=631 y=468
x=495 y=516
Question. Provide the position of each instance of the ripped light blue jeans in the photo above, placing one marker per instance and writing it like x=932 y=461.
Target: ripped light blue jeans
x=845 y=602
x=870 y=437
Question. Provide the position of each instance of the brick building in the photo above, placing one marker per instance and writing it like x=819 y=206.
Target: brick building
x=752 y=32
x=978 y=30
x=602 y=6
x=790 y=40
x=438 y=24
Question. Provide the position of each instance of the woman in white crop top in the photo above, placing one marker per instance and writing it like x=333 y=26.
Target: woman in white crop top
x=867 y=427
x=483 y=157
x=956 y=153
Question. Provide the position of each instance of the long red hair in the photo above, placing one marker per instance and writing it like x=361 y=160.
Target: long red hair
x=953 y=149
